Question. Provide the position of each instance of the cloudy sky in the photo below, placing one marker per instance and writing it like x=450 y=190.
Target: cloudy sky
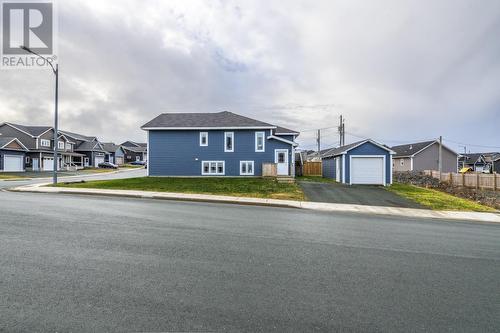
x=397 y=70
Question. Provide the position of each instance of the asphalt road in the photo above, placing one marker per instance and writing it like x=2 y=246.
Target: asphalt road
x=100 y=264
x=355 y=195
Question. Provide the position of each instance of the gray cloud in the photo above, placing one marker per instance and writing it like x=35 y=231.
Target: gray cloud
x=397 y=70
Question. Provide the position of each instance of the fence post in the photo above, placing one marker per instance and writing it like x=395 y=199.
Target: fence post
x=477 y=182
x=451 y=178
x=494 y=182
x=463 y=179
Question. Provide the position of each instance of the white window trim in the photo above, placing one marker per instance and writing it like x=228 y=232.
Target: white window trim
x=257 y=150
x=247 y=173
x=60 y=145
x=201 y=135
x=226 y=134
x=203 y=173
x=44 y=143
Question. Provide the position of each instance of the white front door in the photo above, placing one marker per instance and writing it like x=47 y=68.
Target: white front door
x=12 y=163
x=368 y=170
x=35 y=164
x=281 y=159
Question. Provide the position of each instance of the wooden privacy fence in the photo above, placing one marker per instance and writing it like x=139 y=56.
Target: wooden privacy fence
x=312 y=169
x=489 y=181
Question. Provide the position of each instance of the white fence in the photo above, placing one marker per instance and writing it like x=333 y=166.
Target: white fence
x=473 y=180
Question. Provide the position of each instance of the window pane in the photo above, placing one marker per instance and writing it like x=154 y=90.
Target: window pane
x=213 y=167
x=243 y=168
x=220 y=167
x=229 y=142
x=250 y=167
x=206 y=167
x=281 y=157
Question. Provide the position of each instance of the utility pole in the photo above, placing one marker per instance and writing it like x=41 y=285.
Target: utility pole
x=440 y=160
x=341 y=131
x=318 y=141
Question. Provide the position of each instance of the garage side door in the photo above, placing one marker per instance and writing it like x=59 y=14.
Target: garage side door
x=367 y=170
x=12 y=163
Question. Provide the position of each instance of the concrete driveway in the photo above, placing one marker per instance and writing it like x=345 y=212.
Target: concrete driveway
x=354 y=194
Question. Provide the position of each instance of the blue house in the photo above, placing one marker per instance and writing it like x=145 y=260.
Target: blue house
x=362 y=162
x=217 y=144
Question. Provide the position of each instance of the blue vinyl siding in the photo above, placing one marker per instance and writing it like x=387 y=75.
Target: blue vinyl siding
x=178 y=153
x=11 y=152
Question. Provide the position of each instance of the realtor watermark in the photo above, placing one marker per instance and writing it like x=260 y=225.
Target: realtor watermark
x=32 y=24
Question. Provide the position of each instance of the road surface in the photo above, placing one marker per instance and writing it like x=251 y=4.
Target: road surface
x=101 y=264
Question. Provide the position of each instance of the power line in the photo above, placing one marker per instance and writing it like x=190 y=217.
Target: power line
x=471 y=144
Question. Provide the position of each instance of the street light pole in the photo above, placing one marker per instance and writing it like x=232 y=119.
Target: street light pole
x=56 y=116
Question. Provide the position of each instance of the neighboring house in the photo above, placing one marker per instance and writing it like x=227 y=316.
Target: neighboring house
x=475 y=161
x=217 y=144
x=114 y=153
x=362 y=162
x=135 y=152
x=74 y=150
x=89 y=147
x=421 y=156
x=12 y=155
x=492 y=161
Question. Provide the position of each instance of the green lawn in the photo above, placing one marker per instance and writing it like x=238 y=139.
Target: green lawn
x=245 y=187
x=316 y=179
x=437 y=200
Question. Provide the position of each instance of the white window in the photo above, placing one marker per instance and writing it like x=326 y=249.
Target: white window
x=45 y=143
x=214 y=168
x=137 y=158
x=246 y=168
x=260 y=144
x=402 y=162
x=203 y=139
x=69 y=146
x=60 y=144
x=27 y=159
x=229 y=142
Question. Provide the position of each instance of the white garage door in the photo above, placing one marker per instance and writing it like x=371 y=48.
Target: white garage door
x=367 y=170
x=48 y=164
x=98 y=160
x=12 y=163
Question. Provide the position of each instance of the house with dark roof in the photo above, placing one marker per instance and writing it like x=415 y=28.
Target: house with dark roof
x=75 y=151
x=363 y=162
x=134 y=151
x=12 y=155
x=475 y=161
x=217 y=144
x=420 y=156
x=114 y=153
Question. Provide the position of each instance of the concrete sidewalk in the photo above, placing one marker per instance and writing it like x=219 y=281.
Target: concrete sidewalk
x=327 y=207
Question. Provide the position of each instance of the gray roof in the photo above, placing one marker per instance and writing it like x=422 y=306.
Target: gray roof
x=282 y=130
x=32 y=130
x=203 y=120
x=411 y=148
x=77 y=136
x=89 y=146
x=343 y=149
x=5 y=140
x=110 y=147
x=135 y=149
x=471 y=157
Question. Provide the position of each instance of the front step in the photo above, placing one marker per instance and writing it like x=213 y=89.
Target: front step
x=285 y=179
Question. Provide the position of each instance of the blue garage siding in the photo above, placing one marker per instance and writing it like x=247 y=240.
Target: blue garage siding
x=11 y=152
x=178 y=153
x=328 y=165
x=368 y=148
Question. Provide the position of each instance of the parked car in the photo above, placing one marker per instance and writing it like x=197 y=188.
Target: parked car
x=138 y=163
x=107 y=165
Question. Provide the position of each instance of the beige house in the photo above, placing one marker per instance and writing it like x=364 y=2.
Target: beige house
x=421 y=156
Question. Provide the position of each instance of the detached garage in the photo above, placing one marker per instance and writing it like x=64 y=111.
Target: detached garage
x=363 y=162
x=12 y=155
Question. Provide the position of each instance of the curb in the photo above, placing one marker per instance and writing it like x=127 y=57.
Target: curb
x=75 y=176
x=318 y=206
